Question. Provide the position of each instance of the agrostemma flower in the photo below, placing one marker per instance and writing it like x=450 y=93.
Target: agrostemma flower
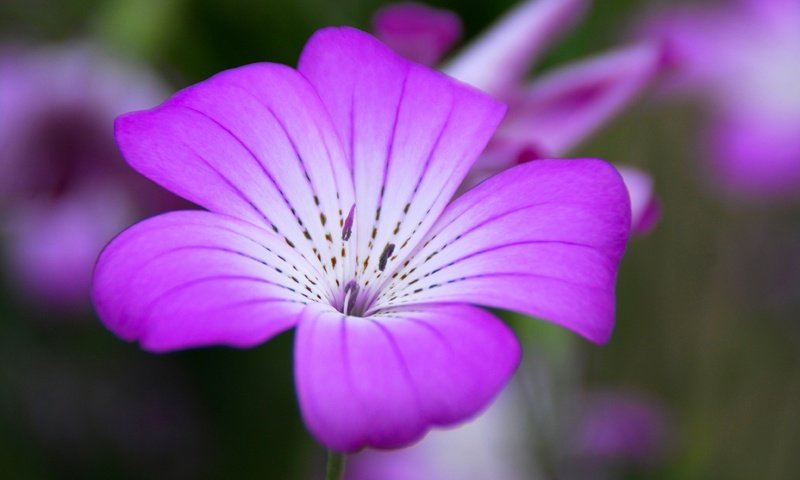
x=328 y=194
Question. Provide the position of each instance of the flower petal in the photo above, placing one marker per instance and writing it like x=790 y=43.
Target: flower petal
x=186 y=279
x=51 y=245
x=411 y=132
x=757 y=157
x=692 y=36
x=645 y=206
x=416 y=31
x=254 y=142
x=544 y=238
x=501 y=56
x=383 y=381
x=563 y=108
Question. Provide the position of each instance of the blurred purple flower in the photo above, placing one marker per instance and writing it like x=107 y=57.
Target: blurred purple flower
x=742 y=56
x=620 y=426
x=548 y=117
x=329 y=193
x=613 y=428
x=418 y=32
x=64 y=191
x=495 y=445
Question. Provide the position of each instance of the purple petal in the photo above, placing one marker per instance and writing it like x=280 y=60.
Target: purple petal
x=544 y=238
x=195 y=278
x=493 y=446
x=52 y=245
x=255 y=143
x=757 y=157
x=751 y=84
x=501 y=154
x=383 y=381
x=692 y=36
x=497 y=60
x=563 y=108
x=645 y=206
x=416 y=31
x=777 y=12
x=411 y=133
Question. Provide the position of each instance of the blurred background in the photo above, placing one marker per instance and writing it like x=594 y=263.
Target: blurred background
x=700 y=379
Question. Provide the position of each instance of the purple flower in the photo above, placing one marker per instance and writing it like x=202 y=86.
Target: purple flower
x=65 y=191
x=496 y=445
x=418 y=32
x=620 y=426
x=743 y=58
x=328 y=189
x=612 y=428
x=550 y=116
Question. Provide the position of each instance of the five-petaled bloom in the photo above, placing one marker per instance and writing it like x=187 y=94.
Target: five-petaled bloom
x=328 y=189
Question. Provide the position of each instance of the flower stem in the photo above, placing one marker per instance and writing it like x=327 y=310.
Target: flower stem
x=335 y=467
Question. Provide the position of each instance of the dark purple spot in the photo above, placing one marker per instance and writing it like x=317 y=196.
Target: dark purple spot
x=387 y=252
x=347 y=229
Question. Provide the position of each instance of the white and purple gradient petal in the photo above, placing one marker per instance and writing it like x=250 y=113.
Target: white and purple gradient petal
x=253 y=142
x=385 y=379
x=544 y=238
x=416 y=31
x=562 y=108
x=411 y=134
x=497 y=61
x=192 y=278
x=645 y=205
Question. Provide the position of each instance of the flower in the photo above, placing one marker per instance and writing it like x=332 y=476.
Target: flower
x=611 y=428
x=495 y=445
x=592 y=438
x=328 y=193
x=550 y=116
x=741 y=57
x=622 y=426
x=65 y=191
x=418 y=32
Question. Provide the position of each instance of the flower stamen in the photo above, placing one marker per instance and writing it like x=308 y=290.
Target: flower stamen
x=350 y=293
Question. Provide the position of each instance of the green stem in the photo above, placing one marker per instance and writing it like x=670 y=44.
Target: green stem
x=335 y=468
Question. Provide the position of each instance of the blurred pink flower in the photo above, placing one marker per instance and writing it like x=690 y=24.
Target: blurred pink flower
x=329 y=191
x=549 y=116
x=622 y=426
x=493 y=446
x=64 y=191
x=611 y=428
x=742 y=58
x=418 y=32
